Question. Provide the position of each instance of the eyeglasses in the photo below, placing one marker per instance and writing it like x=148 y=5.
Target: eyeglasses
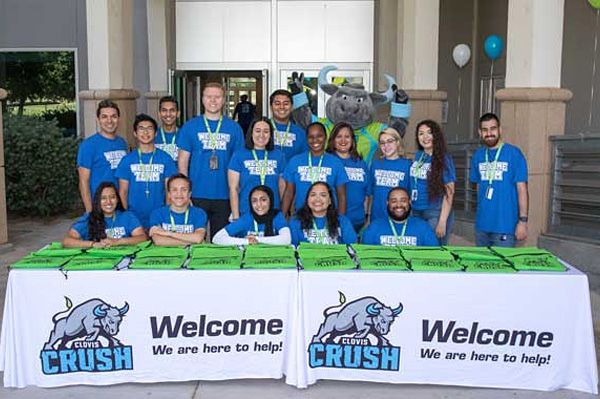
x=390 y=141
x=145 y=128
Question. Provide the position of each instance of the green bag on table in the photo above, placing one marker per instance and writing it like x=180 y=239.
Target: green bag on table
x=487 y=266
x=386 y=263
x=56 y=249
x=430 y=259
x=144 y=244
x=156 y=251
x=158 y=262
x=88 y=262
x=40 y=262
x=308 y=246
x=264 y=256
x=117 y=251
x=214 y=251
x=531 y=259
x=216 y=263
x=328 y=262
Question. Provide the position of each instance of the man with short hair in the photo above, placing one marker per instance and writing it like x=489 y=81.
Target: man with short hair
x=500 y=172
x=206 y=144
x=244 y=112
x=178 y=223
x=289 y=137
x=143 y=173
x=166 y=137
x=399 y=228
x=100 y=154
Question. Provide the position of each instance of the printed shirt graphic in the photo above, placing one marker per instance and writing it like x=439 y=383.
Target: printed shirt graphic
x=167 y=147
x=418 y=233
x=151 y=177
x=161 y=217
x=357 y=189
x=346 y=233
x=101 y=156
x=124 y=224
x=501 y=213
x=245 y=226
x=299 y=173
x=422 y=201
x=193 y=138
x=385 y=175
x=295 y=141
x=244 y=163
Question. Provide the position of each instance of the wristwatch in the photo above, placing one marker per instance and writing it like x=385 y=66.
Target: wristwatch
x=523 y=219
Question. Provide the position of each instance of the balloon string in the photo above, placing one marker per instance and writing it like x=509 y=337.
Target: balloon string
x=491 y=94
x=458 y=103
x=593 y=73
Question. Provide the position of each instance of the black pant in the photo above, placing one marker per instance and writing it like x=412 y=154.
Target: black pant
x=217 y=210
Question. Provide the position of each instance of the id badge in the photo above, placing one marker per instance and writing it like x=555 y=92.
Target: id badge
x=213 y=163
x=489 y=192
x=414 y=195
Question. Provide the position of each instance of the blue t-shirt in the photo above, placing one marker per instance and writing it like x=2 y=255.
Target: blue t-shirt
x=195 y=139
x=357 y=189
x=244 y=163
x=298 y=172
x=101 y=156
x=385 y=175
x=169 y=144
x=500 y=213
x=150 y=178
x=196 y=219
x=245 y=226
x=422 y=201
x=291 y=143
x=345 y=235
x=122 y=226
x=418 y=233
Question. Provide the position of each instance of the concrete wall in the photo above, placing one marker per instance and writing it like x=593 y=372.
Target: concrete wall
x=141 y=72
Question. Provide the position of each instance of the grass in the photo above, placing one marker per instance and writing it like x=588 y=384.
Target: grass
x=38 y=109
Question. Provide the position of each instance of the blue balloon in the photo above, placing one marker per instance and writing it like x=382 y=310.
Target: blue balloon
x=493 y=46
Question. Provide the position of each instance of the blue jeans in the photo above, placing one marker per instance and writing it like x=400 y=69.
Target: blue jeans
x=432 y=217
x=484 y=239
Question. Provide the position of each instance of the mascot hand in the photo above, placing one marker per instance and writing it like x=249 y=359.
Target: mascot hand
x=297 y=85
x=400 y=95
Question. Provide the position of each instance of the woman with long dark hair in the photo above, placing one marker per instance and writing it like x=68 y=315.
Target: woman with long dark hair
x=107 y=224
x=342 y=144
x=263 y=224
x=259 y=163
x=432 y=178
x=319 y=222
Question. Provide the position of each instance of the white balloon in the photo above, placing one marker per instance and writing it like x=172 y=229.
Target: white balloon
x=461 y=55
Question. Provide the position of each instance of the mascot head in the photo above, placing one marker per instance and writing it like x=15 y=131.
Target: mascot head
x=351 y=103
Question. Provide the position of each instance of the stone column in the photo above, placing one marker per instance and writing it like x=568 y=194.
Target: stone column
x=533 y=105
x=110 y=63
x=3 y=218
x=157 y=54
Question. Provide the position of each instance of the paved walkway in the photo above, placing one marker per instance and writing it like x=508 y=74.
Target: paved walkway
x=29 y=235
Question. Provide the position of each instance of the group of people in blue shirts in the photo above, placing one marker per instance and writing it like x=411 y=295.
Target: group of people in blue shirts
x=277 y=184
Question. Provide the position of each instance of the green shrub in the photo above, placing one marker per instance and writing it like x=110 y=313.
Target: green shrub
x=66 y=118
x=41 y=174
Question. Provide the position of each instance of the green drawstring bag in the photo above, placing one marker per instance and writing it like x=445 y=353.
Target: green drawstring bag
x=487 y=266
x=365 y=248
x=214 y=251
x=40 y=262
x=156 y=251
x=327 y=262
x=429 y=259
x=87 y=262
x=307 y=246
x=158 y=262
x=117 y=251
x=56 y=249
x=144 y=244
x=531 y=259
x=263 y=256
x=216 y=263
x=386 y=263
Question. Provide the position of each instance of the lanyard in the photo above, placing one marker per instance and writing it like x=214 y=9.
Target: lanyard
x=111 y=231
x=489 y=166
x=287 y=131
x=314 y=178
x=164 y=139
x=320 y=235
x=418 y=168
x=213 y=136
x=262 y=170
x=146 y=176
x=255 y=227
x=185 y=219
x=395 y=232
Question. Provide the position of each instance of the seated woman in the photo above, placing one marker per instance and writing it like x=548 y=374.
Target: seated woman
x=319 y=222
x=263 y=224
x=106 y=225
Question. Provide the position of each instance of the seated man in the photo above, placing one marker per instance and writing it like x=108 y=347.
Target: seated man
x=399 y=228
x=178 y=223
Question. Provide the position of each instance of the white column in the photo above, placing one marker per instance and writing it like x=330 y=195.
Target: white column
x=419 y=66
x=157 y=45
x=534 y=48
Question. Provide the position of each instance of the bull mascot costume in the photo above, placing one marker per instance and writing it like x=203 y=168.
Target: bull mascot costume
x=352 y=104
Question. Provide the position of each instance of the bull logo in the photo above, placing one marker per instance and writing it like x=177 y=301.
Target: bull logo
x=342 y=340
x=75 y=345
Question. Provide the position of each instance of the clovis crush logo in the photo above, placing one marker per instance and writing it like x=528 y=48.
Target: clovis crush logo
x=85 y=340
x=353 y=337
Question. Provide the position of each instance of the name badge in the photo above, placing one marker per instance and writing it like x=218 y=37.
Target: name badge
x=489 y=192
x=414 y=195
x=213 y=163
